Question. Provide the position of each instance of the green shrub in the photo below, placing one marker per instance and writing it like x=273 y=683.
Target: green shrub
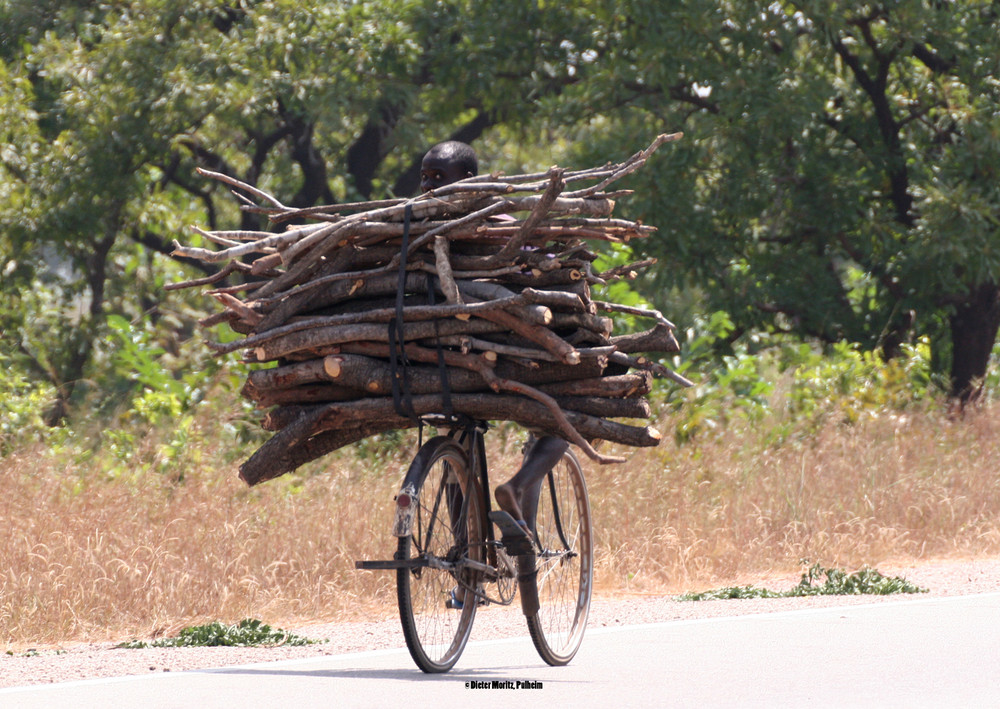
x=798 y=383
x=866 y=581
x=22 y=403
x=248 y=632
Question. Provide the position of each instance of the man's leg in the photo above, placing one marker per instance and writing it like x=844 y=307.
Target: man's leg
x=518 y=497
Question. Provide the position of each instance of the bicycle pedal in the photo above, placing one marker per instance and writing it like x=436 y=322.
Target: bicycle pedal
x=514 y=537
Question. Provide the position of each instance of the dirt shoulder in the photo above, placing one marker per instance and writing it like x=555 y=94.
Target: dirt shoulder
x=79 y=662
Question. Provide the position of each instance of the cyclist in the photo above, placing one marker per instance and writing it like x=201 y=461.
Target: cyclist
x=444 y=164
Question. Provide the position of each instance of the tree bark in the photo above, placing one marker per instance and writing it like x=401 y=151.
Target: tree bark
x=974 y=327
x=658 y=339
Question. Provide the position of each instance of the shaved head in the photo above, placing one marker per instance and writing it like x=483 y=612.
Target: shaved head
x=447 y=162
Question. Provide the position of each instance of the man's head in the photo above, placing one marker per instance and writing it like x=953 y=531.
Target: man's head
x=445 y=163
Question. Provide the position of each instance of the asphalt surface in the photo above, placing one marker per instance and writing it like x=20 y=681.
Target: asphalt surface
x=940 y=652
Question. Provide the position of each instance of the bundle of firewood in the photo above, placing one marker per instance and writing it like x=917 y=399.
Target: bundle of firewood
x=472 y=301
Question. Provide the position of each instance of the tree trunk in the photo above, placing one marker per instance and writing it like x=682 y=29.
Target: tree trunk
x=973 y=333
x=85 y=335
x=367 y=152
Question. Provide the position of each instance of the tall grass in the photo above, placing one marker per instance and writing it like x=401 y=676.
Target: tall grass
x=887 y=489
x=87 y=557
x=102 y=545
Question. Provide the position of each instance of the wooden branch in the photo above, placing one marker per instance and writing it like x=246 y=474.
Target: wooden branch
x=339 y=334
x=306 y=394
x=630 y=310
x=266 y=465
x=374 y=376
x=249 y=189
x=597 y=324
x=261 y=245
x=630 y=165
x=622 y=386
x=628 y=271
x=658 y=339
x=516 y=332
x=219 y=275
x=444 y=274
x=552 y=343
x=426 y=355
x=538 y=212
x=412 y=313
x=486 y=211
x=242 y=311
x=565 y=428
x=286 y=451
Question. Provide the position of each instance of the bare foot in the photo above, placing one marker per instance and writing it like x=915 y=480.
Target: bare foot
x=508 y=502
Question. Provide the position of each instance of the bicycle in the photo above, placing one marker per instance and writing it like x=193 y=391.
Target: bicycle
x=448 y=554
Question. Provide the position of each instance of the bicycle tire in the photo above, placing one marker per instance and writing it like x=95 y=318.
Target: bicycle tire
x=564 y=562
x=436 y=634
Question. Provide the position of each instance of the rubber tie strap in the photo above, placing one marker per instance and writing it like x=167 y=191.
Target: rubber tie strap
x=402 y=399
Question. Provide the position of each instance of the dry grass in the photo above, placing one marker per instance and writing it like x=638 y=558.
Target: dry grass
x=891 y=489
x=87 y=557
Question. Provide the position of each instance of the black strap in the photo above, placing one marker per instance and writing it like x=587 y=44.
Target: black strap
x=402 y=399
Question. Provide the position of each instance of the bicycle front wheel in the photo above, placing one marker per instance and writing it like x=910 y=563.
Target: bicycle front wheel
x=564 y=563
x=446 y=536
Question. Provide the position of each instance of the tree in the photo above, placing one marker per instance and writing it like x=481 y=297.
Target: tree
x=109 y=107
x=838 y=179
x=839 y=175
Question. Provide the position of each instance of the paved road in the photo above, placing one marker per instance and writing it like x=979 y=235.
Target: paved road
x=941 y=652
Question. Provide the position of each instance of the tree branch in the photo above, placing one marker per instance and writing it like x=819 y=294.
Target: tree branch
x=931 y=59
x=368 y=151
x=314 y=183
x=875 y=88
x=157 y=243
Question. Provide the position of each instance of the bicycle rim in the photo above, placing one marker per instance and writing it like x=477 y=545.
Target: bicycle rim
x=436 y=634
x=564 y=564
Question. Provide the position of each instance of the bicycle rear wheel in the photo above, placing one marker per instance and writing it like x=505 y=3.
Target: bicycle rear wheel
x=564 y=563
x=446 y=535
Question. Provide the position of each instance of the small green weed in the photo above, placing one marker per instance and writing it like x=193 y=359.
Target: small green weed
x=248 y=632
x=838 y=582
x=32 y=652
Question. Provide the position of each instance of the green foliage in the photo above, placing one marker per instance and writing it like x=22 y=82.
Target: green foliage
x=730 y=593
x=733 y=386
x=865 y=581
x=22 y=400
x=378 y=449
x=851 y=383
x=835 y=179
x=837 y=182
x=108 y=108
x=247 y=633
x=162 y=392
x=621 y=291
x=800 y=384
